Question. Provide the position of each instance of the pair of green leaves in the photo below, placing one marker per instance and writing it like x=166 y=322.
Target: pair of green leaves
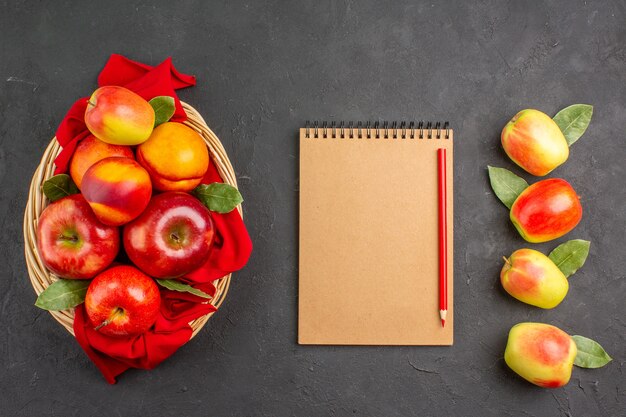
x=569 y=257
x=68 y=293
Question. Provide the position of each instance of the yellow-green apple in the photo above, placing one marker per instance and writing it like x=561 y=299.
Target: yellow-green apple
x=546 y=210
x=91 y=150
x=171 y=237
x=122 y=301
x=534 y=142
x=532 y=277
x=119 y=116
x=175 y=156
x=541 y=354
x=118 y=189
x=72 y=242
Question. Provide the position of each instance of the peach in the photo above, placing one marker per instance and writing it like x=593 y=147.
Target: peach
x=546 y=210
x=534 y=142
x=117 y=189
x=91 y=150
x=175 y=156
x=532 y=277
x=119 y=116
x=541 y=354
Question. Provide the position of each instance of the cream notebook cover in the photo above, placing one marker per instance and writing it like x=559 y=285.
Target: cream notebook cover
x=368 y=265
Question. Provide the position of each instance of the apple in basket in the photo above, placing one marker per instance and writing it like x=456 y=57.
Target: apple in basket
x=119 y=116
x=122 y=301
x=173 y=236
x=91 y=150
x=118 y=189
x=72 y=242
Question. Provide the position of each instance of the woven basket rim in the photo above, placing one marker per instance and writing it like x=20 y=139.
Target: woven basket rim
x=41 y=277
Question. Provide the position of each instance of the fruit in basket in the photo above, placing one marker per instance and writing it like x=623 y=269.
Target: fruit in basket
x=546 y=210
x=118 y=189
x=534 y=142
x=72 y=242
x=541 y=354
x=532 y=277
x=119 y=116
x=91 y=150
x=175 y=156
x=122 y=301
x=172 y=237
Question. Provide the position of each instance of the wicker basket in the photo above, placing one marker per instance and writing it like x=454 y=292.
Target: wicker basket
x=41 y=278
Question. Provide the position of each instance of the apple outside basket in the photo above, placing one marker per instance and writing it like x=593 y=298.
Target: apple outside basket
x=41 y=277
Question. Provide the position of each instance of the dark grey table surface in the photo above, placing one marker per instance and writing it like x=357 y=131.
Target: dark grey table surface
x=264 y=68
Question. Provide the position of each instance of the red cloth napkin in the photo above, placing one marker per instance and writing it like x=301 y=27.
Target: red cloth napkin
x=231 y=250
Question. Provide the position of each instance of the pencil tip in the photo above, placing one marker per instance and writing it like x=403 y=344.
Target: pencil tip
x=443 y=322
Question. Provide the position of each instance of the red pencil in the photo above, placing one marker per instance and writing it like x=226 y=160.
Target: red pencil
x=443 y=235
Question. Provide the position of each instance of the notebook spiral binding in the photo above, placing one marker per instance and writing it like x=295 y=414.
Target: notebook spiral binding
x=395 y=130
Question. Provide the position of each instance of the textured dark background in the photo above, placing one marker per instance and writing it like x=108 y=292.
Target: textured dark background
x=263 y=68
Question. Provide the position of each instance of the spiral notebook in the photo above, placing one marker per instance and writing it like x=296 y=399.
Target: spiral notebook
x=368 y=265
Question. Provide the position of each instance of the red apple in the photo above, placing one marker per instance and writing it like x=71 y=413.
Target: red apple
x=546 y=210
x=72 y=242
x=122 y=301
x=119 y=116
x=171 y=237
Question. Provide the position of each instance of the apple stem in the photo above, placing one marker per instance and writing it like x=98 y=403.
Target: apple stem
x=90 y=103
x=506 y=260
x=101 y=325
x=118 y=311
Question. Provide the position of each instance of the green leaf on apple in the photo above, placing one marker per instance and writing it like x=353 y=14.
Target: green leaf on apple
x=590 y=353
x=175 y=285
x=570 y=256
x=573 y=121
x=63 y=294
x=59 y=186
x=218 y=197
x=164 y=108
x=506 y=185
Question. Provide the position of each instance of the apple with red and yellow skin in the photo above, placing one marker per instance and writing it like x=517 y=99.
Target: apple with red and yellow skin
x=118 y=189
x=118 y=116
x=91 y=150
x=172 y=237
x=534 y=142
x=540 y=353
x=122 y=301
x=546 y=210
x=72 y=242
x=532 y=277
